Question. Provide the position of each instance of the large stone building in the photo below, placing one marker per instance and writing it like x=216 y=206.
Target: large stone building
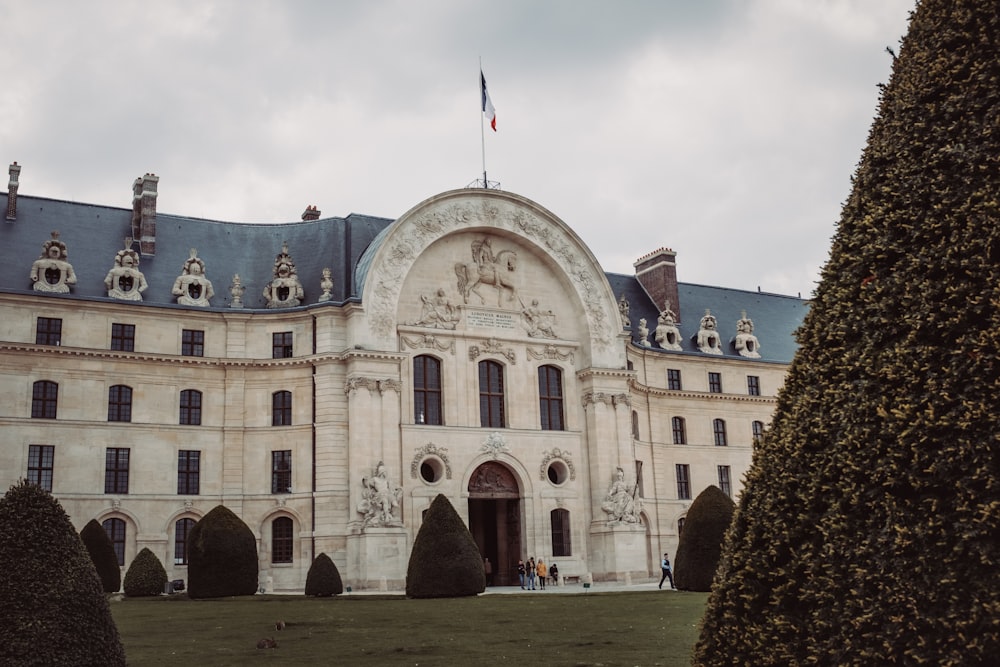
x=326 y=379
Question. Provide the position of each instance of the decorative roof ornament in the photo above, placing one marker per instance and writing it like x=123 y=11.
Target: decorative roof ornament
x=746 y=343
x=124 y=281
x=192 y=287
x=708 y=335
x=284 y=290
x=51 y=272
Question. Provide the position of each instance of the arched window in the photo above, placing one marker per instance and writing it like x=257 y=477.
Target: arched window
x=191 y=407
x=679 y=429
x=181 y=530
x=550 y=398
x=427 y=390
x=561 y=544
x=491 y=396
x=115 y=528
x=758 y=430
x=120 y=403
x=635 y=424
x=44 y=399
x=281 y=408
x=281 y=540
x=719 y=431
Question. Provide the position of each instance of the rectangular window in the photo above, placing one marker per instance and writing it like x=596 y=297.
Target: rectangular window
x=119 y=403
x=561 y=544
x=192 y=343
x=683 y=481
x=281 y=471
x=123 y=337
x=281 y=408
x=679 y=429
x=427 y=391
x=116 y=470
x=638 y=480
x=725 y=483
x=115 y=528
x=719 y=432
x=753 y=385
x=491 y=395
x=48 y=331
x=40 y=465
x=44 y=399
x=188 y=472
x=190 y=407
x=281 y=540
x=181 y=530
x=550 y=398
x=281 y=345
x=674 y=379
x=715 y=383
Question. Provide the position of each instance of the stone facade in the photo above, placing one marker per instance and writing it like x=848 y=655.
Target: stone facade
x=482 y=354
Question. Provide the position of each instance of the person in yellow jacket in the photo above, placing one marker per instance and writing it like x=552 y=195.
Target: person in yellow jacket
x=542 y=571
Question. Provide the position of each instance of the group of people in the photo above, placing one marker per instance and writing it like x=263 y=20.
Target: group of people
x=530 y=572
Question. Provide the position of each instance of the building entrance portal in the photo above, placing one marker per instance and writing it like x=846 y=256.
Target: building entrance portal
x=495 y=520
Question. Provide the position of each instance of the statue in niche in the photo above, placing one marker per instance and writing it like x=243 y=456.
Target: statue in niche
x=326 y=285
x=124 y=281
x=487 y=269
x=667 y=335
x=623 y=310
x=621 y=504
x=284 y=290
x=236 y=290
x=379 y=498
x=539 y=323
x=708 y=335
x=746 y=343
x=437 y=311
x=643 y=332
x=192 y=287
x=51 y=272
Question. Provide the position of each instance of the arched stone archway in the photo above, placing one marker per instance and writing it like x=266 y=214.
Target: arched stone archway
x=495 y=519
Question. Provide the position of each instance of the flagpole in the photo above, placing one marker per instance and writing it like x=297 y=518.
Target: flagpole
x=482 y=130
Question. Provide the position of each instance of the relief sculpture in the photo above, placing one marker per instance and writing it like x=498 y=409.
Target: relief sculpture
x=496 y=271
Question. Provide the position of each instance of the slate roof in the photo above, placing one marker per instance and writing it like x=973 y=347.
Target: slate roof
x=93 y=234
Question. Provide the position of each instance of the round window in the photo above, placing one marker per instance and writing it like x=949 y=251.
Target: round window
x=431 y=469
x=558 y=472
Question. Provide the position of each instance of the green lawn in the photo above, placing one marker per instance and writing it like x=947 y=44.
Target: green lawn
x=640 y=628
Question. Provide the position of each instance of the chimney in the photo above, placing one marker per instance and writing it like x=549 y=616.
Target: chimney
x=144 y=213
x=311 y=213
x=657 y=273
x=15 y=170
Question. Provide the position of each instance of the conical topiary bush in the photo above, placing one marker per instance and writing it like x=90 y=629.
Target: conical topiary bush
x=102 y=553
x=222 y=556
x=145 y=576
x=868 y=531
x=53 y=606
x=700 y=543
x=445 y=561
x=323 y=578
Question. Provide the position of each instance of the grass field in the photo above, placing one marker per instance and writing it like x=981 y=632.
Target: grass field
x=630 y=628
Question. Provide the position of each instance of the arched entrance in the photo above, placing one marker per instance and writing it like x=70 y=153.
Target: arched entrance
x=495 y=519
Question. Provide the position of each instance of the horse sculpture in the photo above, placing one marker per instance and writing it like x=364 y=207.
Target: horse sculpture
x=487 y=269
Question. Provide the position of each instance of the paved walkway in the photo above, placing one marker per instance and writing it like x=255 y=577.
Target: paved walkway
x=596 y=587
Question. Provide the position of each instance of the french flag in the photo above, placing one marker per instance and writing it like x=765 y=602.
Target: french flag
x=488 y=109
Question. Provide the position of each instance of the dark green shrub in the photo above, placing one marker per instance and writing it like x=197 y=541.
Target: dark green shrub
x=868 y=531
x=700 y=545
x=145 y=575
x=445 y=561
x=53 y=606
x=102 y=553
x=222 y=556
x=323 y=579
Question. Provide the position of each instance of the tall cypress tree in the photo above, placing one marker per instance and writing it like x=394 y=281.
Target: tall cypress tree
x=868 y=532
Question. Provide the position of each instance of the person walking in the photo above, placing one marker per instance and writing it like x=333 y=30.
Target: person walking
x=667 y=574
x=542 y=572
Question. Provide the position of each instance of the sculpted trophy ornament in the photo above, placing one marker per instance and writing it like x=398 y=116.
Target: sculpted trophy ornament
x=708 y=335
x=192 y=287
x=326 y=284
x=51 y=272
x=621 y=504
x=284 y=290
x=746 y=343
x=643 y=333
x=379 y=498
x=124 y=281
x=667 y=335
x=236 y=290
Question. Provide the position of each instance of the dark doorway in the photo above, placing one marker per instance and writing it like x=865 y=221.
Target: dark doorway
x=495 y=520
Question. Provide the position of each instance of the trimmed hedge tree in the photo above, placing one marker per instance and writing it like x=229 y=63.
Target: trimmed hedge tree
x=53 y=606
x=145 y=576
x=868 y=530
x=102 y=553
x=445 y=561
x=222 y=556
x=323 y=579
x=700 y=545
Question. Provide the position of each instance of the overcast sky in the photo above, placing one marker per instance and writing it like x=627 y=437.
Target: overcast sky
x=727 y=130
